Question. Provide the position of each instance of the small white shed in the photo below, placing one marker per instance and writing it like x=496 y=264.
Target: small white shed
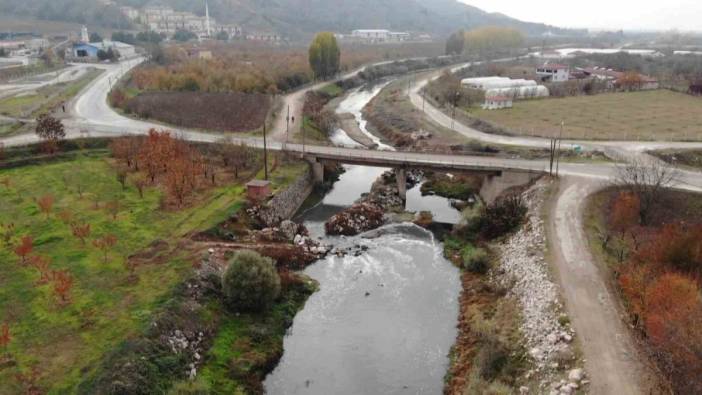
x=497 y=102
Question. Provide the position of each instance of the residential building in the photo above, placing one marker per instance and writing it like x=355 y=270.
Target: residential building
x=379 y=35
x=497 y=102
x=554 y=72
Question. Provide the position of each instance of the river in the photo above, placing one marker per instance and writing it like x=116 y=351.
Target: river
x=385 y=316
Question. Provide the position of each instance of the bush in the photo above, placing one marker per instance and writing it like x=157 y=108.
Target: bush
x=251 y=282
x=475 y=260
x=502 y=217
x=491 y=359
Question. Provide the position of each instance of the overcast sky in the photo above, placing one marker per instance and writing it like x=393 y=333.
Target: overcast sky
x=609 y=14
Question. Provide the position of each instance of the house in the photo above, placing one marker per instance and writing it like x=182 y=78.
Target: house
x=258 y=190
x=649 y=83
x=554 y=72
x=379 y=35
x=198 y=53
x=497 y=102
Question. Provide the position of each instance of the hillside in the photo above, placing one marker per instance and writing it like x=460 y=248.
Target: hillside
x=294 y=18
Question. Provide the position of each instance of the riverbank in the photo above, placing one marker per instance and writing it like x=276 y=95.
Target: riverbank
x=514 y=336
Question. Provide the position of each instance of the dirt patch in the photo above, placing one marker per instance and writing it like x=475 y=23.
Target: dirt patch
x=225 y=112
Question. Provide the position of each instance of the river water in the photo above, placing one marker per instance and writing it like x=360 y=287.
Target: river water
x=385 y=316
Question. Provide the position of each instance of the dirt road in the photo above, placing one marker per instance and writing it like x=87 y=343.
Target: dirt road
x=613 y=361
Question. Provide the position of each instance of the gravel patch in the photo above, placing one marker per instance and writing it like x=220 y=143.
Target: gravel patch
x=524 y=270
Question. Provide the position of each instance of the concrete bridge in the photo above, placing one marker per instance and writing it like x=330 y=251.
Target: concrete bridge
x=318 y=156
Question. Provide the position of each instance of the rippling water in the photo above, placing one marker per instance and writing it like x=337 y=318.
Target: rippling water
x=384 y=319
x=382 y=323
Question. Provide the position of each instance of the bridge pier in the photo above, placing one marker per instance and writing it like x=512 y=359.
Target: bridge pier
x=401 y=176
x=317 y=170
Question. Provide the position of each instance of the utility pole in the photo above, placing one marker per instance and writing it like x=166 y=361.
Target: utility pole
x=265 y=153
x=303 y=137
x=287 y=126
x=424 y=99
x=558 y=158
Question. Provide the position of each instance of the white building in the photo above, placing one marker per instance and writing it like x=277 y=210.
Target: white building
x=497 y=102
x=554 y=72
x=379 y=35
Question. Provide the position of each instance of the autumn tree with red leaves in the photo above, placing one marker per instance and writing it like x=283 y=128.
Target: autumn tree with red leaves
x=80 y=231
x=41 y=263
x=673 y=322
x=24 y=248
x=50 y=130
x=104 y=244
x=46 y=204
x=63 y=283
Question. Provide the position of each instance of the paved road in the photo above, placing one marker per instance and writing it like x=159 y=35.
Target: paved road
x=70 y=73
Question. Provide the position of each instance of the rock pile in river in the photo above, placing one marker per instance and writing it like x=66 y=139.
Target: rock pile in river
x=359 y=218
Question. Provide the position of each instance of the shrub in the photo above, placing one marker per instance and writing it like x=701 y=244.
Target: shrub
x=475 y=260
x=502 y=217
x=251 y=282
x=491 y=359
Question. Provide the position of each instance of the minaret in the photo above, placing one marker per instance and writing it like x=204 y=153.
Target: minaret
x=84 y=38
x=207 y=19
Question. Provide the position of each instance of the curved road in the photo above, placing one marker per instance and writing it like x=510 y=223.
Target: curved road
x=613 y=362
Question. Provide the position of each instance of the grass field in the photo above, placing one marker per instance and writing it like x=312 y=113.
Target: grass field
x=46 y=98
x=651 y=115
x=66 y=342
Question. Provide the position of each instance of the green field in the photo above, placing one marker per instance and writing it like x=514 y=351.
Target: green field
x=45 y=98
x=66 y=342
x=650 y=115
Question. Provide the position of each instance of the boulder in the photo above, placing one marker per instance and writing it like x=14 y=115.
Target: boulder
x=576 y=375
x=289 y=229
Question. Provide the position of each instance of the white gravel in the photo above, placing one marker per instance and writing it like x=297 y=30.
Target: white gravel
x=523 y=267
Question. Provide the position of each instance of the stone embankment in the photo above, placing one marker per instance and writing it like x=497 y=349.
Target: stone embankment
x=545 y=325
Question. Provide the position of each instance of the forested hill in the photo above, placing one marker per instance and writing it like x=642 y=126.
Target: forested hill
x=296 y=18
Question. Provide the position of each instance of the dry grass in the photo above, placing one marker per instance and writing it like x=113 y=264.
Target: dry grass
x=650 y=115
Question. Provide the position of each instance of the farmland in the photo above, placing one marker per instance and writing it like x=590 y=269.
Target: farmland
x=650 y=115
x=226 y=112
x=57 y=339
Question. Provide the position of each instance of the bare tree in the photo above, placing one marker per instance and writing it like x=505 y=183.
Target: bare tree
x=647 y=179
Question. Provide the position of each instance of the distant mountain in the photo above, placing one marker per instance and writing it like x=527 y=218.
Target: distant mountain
x=304 y=17
x=294 y=18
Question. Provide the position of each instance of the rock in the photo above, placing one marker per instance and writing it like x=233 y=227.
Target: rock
x=576 y=375
x=567 y=338
x=535 y=353
x=566 y=390
x=289 y=229
x=552 y=338
x=523 y=390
